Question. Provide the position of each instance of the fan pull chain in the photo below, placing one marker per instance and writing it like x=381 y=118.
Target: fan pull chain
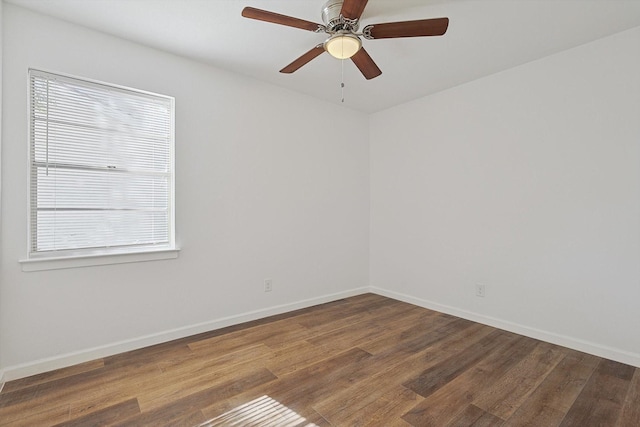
x=342 y=82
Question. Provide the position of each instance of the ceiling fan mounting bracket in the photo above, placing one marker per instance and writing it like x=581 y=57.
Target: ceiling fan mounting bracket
x=333 y=19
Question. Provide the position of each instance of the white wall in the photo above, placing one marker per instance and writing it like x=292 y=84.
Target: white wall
x=528 y=182
x=262 y=192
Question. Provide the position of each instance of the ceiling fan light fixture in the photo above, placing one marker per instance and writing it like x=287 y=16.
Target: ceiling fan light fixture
x=342 y=46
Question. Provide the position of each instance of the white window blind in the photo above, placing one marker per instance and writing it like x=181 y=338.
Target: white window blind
x=101 y=168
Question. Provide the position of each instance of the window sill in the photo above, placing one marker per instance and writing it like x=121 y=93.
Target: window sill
x=41 y=264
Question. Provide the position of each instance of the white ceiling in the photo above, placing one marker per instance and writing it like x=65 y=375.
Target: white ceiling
x=484 y=37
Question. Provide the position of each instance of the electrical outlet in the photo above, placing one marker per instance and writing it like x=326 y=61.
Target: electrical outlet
x=480 y=291
x=268 y=285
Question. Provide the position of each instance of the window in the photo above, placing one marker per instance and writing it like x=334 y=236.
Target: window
x=101 y=169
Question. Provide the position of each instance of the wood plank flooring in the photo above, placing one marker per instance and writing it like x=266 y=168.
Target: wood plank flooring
x=361 y=361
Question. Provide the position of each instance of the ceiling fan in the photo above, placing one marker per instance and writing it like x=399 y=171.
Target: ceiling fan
x=341 y=22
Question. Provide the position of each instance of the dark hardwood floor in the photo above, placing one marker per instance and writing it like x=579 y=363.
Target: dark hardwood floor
x=361 y=361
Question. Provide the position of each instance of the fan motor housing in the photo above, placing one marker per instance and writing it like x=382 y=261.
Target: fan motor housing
x=334 y=21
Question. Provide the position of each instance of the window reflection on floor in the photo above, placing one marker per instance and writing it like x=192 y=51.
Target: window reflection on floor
x=263 y=411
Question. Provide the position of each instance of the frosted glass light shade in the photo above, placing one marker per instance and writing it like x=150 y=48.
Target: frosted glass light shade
x=343 y=46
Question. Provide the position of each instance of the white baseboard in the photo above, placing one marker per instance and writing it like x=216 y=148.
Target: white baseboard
x=44 y=365
x=562 y=340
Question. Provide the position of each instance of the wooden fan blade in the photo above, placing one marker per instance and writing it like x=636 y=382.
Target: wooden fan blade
x=303 y=60
x=420 y=28
x=365 y=64
x=352 y=9
x=276 y=18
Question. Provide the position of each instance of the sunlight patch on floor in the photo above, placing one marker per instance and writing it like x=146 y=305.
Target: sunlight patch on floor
x=264 y=412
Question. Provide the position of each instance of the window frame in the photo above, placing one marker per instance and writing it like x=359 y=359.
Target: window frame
x=80 y=257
